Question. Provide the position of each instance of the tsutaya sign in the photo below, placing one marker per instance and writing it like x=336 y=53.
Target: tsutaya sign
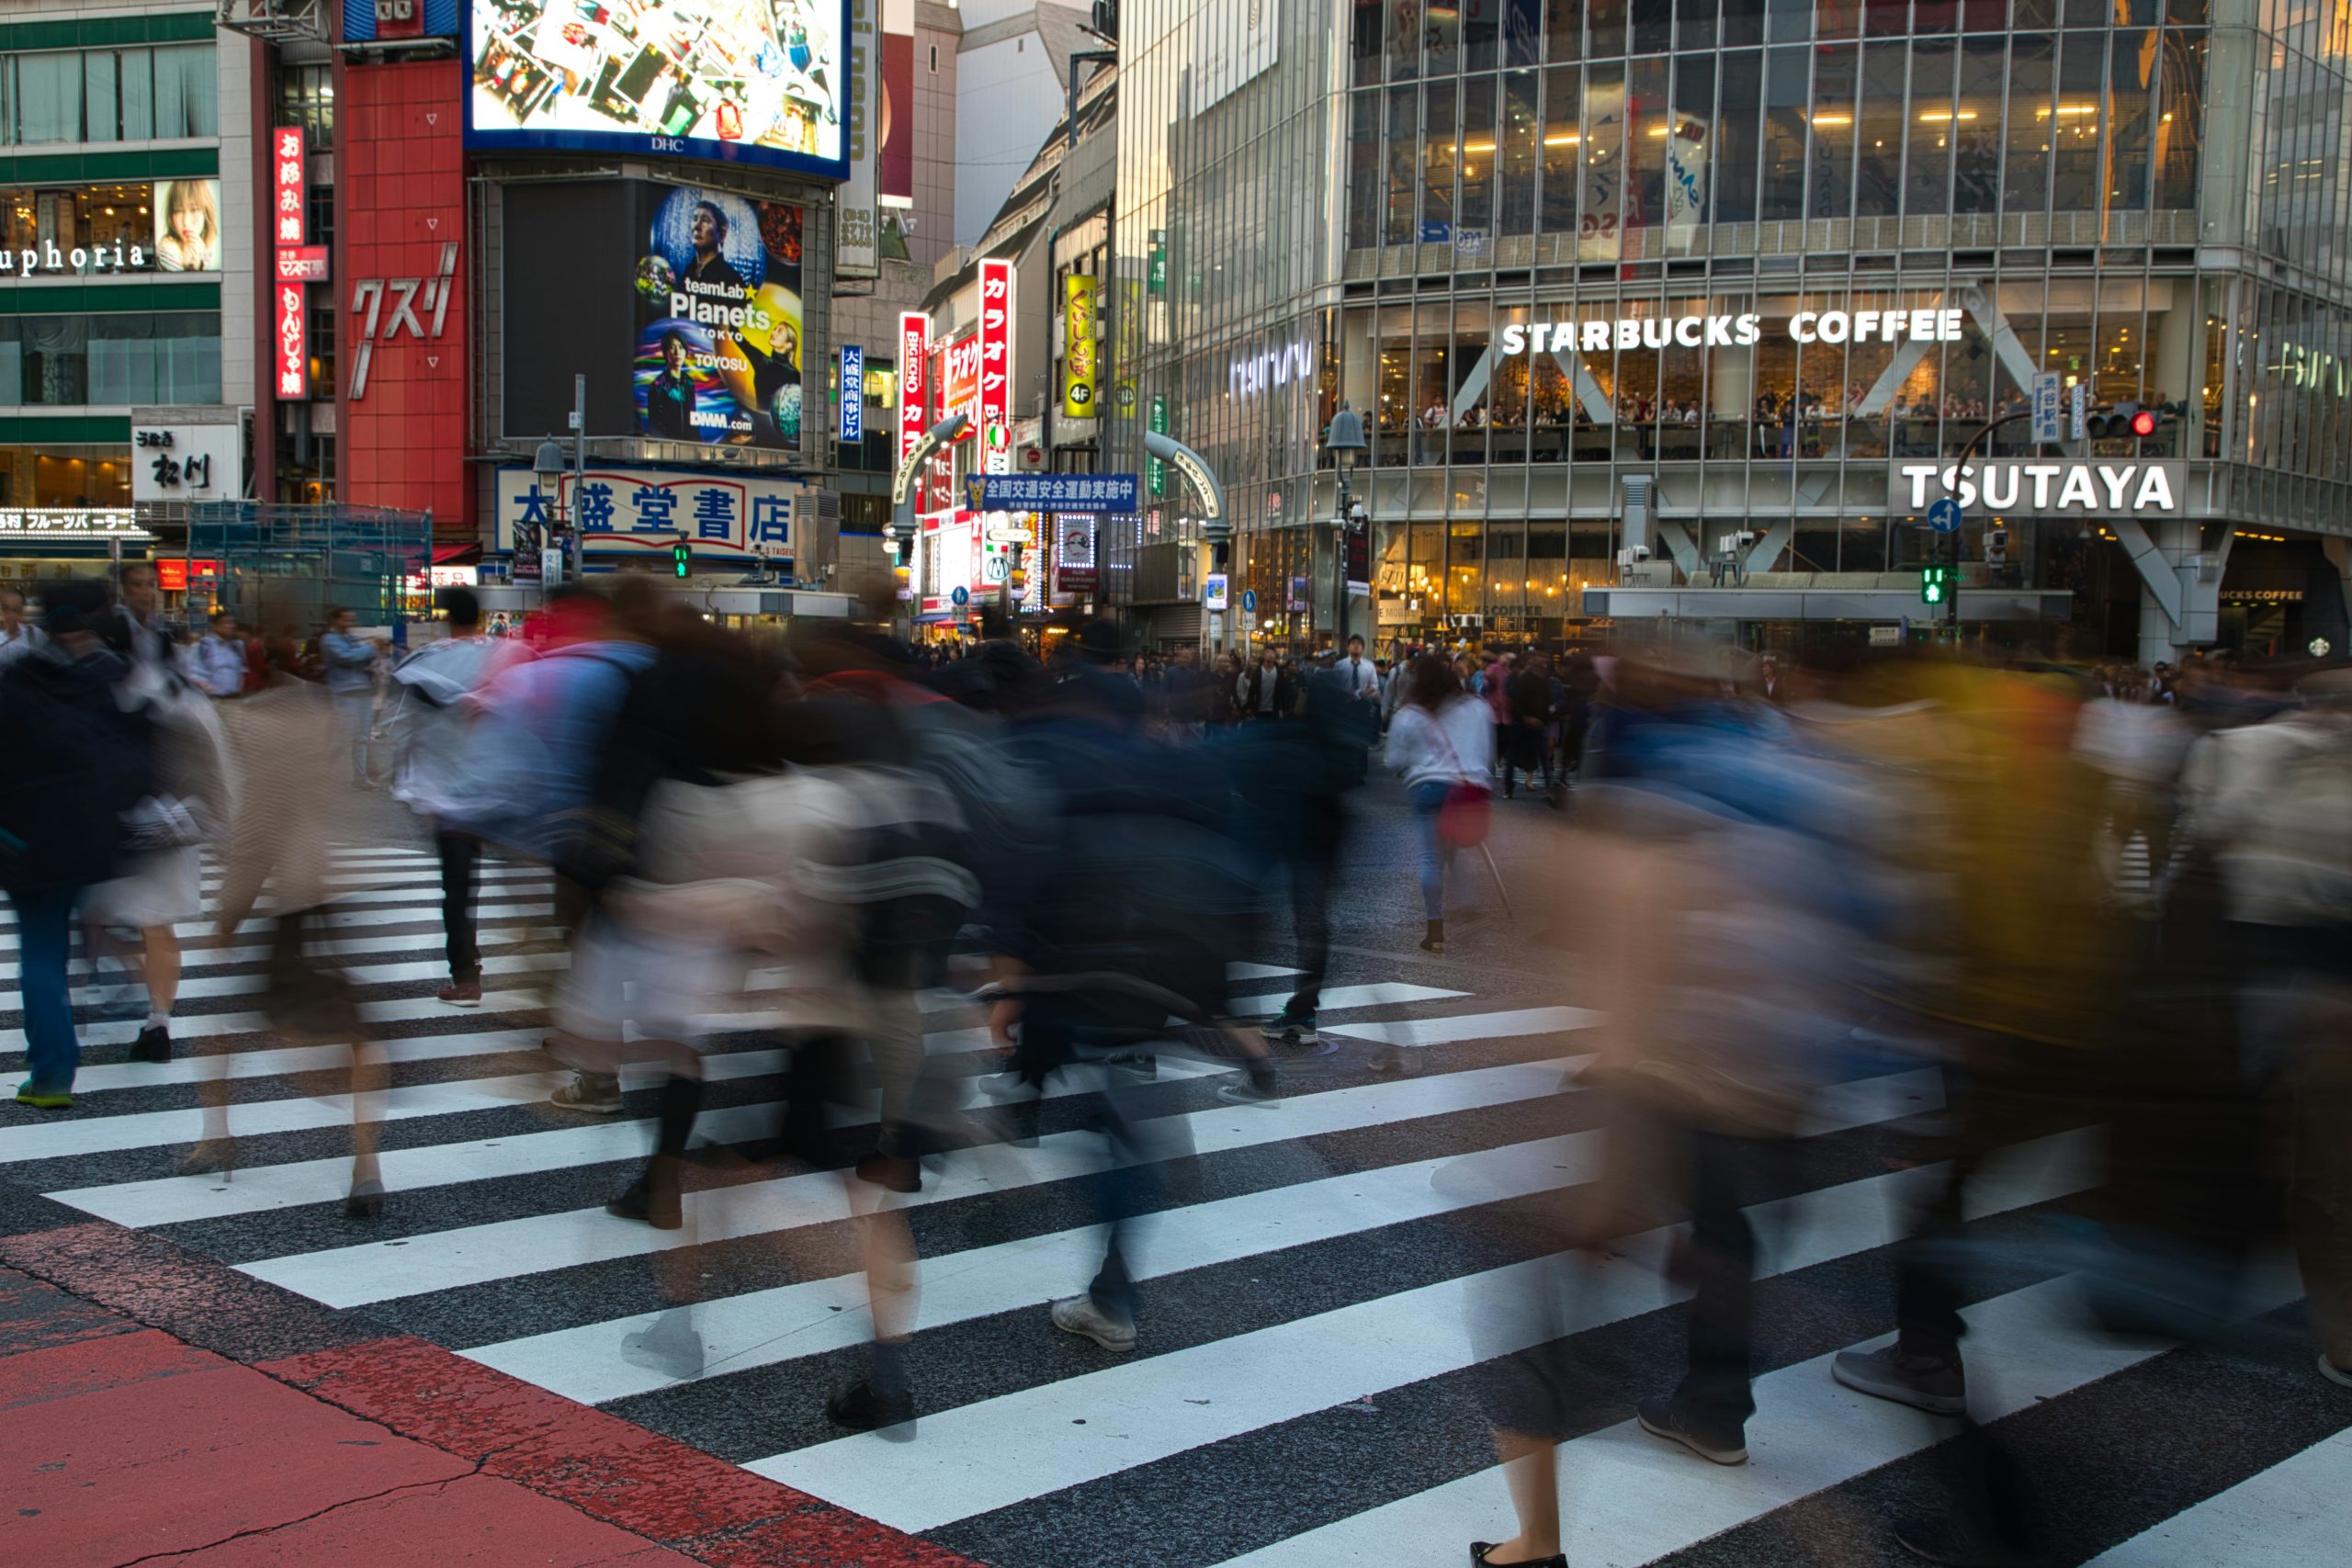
x=2045 y=489
x=1728 y=332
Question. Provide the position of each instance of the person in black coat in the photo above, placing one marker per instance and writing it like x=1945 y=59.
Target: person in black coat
x=72 y=762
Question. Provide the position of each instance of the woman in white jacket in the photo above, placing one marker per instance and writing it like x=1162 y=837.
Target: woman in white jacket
x=1442 y=737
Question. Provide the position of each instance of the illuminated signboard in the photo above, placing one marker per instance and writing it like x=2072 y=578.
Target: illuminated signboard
x=742 y=80
x=996 y=367
x=391 y=21
x=914 y=390
x=287 y=181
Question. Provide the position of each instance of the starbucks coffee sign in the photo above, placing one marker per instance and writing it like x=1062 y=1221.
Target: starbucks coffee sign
x=2022 y=488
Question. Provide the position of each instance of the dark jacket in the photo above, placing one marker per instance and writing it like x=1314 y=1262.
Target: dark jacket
x=1285 y=693
x=72 y=762
x=1529 y=696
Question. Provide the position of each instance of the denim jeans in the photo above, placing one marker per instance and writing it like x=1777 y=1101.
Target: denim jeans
x=44 y=939
x=1426 y=799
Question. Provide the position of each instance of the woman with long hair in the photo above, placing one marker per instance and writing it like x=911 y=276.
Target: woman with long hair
x=191 y=237
x=1440 y=740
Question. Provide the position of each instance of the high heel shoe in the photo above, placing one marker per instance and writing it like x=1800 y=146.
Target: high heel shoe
x=212 y=1156
x=366 y=1200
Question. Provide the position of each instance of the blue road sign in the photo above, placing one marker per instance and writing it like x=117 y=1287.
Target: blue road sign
x=1250 y=600
x=1943 y=515
x=961 y=597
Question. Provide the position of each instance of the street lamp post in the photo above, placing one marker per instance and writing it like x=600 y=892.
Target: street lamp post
x=1344 y=440
x=1959 y=468
x=547 y=467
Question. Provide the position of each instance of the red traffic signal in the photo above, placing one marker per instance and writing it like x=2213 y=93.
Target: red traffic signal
x=2144 y=422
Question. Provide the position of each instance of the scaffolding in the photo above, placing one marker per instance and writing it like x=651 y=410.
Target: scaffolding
x=277 y=564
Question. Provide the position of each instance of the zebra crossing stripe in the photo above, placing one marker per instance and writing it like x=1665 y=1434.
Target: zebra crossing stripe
x=354 y=1276
x=997 y=1453
x=2297 y=1514
x=790 y=1322
x=1634 y=1499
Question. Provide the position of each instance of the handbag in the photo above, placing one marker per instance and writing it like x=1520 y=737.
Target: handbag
x=1465 y=813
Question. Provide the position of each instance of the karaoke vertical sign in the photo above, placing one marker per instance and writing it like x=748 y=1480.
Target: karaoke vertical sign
x=914 y=387
x=996 y=367
x=285 y=227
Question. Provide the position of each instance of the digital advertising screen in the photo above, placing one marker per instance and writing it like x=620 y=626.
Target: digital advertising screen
x=187 y=225
x=718 y=340
x=746 y=81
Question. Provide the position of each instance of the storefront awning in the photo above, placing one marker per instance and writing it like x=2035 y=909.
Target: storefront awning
x=457 y=555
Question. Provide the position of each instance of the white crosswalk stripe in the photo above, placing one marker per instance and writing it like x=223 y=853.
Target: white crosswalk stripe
x=1411 y=1202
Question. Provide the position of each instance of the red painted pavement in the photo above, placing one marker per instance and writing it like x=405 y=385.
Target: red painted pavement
x=243 y=1423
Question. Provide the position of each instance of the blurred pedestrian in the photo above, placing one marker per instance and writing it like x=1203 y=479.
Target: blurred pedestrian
x=351 y=680
x=136 y=629
x=73 y=760
x=18 y=636
x=1528 y=697
x=1441 y=741
x=1322 y=763
x=219 y=662
x=430 y=710
x=1266 y=690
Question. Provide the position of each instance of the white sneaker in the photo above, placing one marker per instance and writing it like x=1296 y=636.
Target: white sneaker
x=1080 y=1315
x=597 y=1096
x=2333 y=1373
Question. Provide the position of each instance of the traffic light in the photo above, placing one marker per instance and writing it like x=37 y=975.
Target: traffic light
x=1935 y=583
x=2125 y=421
x=682 y=557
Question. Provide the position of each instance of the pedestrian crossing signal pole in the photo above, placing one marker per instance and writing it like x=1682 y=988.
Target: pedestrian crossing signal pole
x=1948 y=587
x=682 y=559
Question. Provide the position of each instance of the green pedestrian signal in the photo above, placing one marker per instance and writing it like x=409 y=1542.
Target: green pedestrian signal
x=682 y=557
x=1935 y=582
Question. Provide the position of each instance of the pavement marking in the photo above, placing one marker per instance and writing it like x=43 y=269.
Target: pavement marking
x=197 y=956
x=764 y=1328
x=1425 y=1031
x=767 y=1328
x=1632 y=1498
x=997 y=1453
x=2297 y=1514
x=472 y=1255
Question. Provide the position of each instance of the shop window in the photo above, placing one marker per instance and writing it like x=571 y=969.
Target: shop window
x=1363 y=47
x=1563 y=135
x=1605 y=28
x=1737 y=139
x=2076 y=177
x=1927 y=128
x=1363 y=171
x=1743 y=24
x=1438 y=148
x=1977 y=125
x=95 y=219
x=1784 y=135
x=1516 y=161
x=1832 y=127
x=306 y=97
x=1694 y=26
x=1404 y=157
x=64 y=476
x=1601 y=200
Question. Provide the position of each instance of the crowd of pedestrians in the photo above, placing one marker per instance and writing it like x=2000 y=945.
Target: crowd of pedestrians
x=2077 y=899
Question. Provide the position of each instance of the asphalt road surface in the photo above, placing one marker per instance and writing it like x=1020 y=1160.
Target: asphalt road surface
x=1321 y=1284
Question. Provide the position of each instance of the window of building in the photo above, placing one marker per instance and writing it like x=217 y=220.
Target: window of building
x=93 y=219
x=110 y=359
x=166 y=93
x=306 y=97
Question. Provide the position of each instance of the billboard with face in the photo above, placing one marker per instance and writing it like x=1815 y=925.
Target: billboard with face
x=187 y=225
x=750 y=81
x=718 y=348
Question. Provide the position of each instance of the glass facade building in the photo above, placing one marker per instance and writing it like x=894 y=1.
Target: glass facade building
x=1744 y=256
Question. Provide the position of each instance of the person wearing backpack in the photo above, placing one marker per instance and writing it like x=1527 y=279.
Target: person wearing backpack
x=73 y=760
x=430 y=713
x=1442 y=740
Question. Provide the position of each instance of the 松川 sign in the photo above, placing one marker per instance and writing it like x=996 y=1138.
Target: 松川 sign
x=2044 y=490
x=1728 y=332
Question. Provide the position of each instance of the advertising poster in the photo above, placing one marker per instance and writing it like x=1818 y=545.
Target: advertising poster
x=896 y=180
x=995 y=418
x=1686 y=181
x=914 y=384
x=1079 y=348
x=720 y=319
x=753 y=81
x=187 y=225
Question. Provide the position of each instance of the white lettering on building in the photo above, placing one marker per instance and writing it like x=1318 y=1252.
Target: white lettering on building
x=2080 y=489
x=1725 y=332
x=1274 y=367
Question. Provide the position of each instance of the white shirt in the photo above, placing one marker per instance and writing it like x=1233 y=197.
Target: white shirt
x=1364 y=680
x=15 y=644
x=1456 y=743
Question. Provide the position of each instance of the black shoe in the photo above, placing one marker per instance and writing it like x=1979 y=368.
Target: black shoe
x=1479 y=1549
x=153 y=1044
x=1662 y=1418
x=366 y=1202
x=657 y=1206
x=861 y=1408
x=892 y=1173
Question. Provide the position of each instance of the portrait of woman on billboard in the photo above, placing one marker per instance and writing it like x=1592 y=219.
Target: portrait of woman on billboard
x=187 y=225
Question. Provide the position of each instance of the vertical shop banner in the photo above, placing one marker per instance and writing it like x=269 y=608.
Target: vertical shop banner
x=959 y=392
x=719 y=321
x=1604 y=206
x=287 y=181
x=1079 y=348
x=914 y=380
x=895 y=172
x=996 y=365
x=1687 y=156
x=853 y=393
x=1155 y=472
x=858 y=239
